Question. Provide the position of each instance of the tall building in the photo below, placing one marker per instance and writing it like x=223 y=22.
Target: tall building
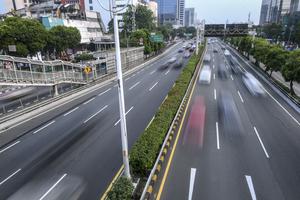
x=171 y=11
x=264 y=12
x=189 y=18
x=152 y=5
x=9 y=5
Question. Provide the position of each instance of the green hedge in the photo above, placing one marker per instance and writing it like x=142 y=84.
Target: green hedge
x=122 y=189
x=145 y=150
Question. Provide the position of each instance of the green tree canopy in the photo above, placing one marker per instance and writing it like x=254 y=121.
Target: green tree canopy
x=291 y=70
x=28 y=35
x=275 y=59
x=273 y=31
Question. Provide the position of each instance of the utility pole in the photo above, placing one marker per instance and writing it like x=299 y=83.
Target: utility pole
x=197 y=40
x=133 y=17
x=121 y=93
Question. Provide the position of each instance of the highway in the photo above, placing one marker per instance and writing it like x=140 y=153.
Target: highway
x=254 y=155
x=75 y=153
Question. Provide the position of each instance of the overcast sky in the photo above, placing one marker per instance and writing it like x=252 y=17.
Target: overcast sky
x=217 y=11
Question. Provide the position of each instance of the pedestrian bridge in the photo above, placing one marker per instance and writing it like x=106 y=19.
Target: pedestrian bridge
x=29 y=72
x=224 y=30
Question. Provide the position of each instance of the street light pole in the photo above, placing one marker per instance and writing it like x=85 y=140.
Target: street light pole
x=121 y=93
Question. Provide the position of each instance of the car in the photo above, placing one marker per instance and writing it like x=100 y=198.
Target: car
x=205 y=75
x=207 y=58
x=178 y=62
x=215 y=50
x=186 y=54
x=172 y=60
x=229 y=117
x=222 y=72
x=180 y=50
x=253 y=85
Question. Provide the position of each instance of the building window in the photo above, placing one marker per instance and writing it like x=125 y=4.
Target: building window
x=90 y=1
x=25 y=1
x=91 y=8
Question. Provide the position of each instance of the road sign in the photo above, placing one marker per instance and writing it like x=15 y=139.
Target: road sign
x=87 y=69
x=156 y=38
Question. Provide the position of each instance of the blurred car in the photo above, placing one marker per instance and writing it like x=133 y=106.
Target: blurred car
x=179 y=62
x=222 y=72
x=228 y=114
x=215 y=50
x=253 y=85
x=207 y=58
x=205 y=75
x=180 y=50
x=186 y=54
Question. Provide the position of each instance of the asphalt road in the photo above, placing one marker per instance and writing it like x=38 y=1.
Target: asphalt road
x=77 y=153
x=260 y=161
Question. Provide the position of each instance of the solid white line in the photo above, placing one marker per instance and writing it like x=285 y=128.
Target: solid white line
x=217 y=133
x=53 y=186
x=241 y=96
x=70 y=111
x=287 y=112
x=215 y=94
x=261 y=143
x=125 y=115
x=251 y=187
x=1 y=151
x=153 y=86
x=231 y=77
x=192 y=181
x=134 y=85
x=104 y=92
x=167 y=72
x=44 y=127
x=10 y=176
x=214 y=76
x=95 y=114
x=89 y=101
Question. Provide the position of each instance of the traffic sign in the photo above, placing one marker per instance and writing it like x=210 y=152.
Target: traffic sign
x=156 y=38
x=87 y=69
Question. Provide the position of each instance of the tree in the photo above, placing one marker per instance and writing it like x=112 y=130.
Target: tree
x=260 y=50
x=28 y=35
x=111 y=26
x=166 y=30
x=273 y=31
x=291 y=70
x=191 y=30
x=275 y=59
x=61 y=38
x=245 y=44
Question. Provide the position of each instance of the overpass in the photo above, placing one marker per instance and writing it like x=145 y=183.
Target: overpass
x=220 y=30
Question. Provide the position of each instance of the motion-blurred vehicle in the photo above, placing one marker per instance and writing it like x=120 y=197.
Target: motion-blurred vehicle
x=205 y=75
x=179 y=62
x=222 y=72
x=168 y=62
x=215 y=50
x=253 y=85
x=180 y=50
x=186 y=54
x=206 y=58
x=228 y=114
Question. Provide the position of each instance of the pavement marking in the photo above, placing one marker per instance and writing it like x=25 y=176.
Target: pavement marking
x=35 y=100
x=44 y=127
x=133 y=75
x=231 y=77
x=215 y=94
x=10 y=110
x=134 y=85
x=95 y=114
x=70 y=111
x=213 y=66
x=89 y=101
x=27 y=104
x=214 y=76
x=43 y=98
x=261 y=143
x=240 y=96
x=217 y=133
x=112 y=182
x=19 y=107
x=53 y=186
x=192 y=181
x=153 y=86
x=116 y=85
x=152 y=72
x=167 y=72
x=10 y=176
x=1 y=151
x=125 y=115
x=251 y=187
x=104 y=92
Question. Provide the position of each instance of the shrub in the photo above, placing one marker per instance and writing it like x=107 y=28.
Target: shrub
x=122 y=189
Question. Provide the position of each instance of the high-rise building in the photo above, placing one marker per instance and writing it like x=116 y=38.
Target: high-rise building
x=171 y=11
x=189 y=17
x=264 y=12
x=152 y=5
x=8 y=5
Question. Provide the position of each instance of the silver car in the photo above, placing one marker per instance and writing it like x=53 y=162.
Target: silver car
x=253 y=85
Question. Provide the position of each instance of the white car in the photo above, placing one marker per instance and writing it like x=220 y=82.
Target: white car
x=205 y=75
x=253 y=85
x=207 y=58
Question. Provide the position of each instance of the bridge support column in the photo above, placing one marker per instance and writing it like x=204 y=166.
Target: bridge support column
x=55 y=89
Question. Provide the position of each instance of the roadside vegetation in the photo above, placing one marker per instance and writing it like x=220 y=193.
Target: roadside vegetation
x=144 y=152
x=273 y=56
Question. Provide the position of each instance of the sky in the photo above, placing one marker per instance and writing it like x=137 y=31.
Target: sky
x=218 y=11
